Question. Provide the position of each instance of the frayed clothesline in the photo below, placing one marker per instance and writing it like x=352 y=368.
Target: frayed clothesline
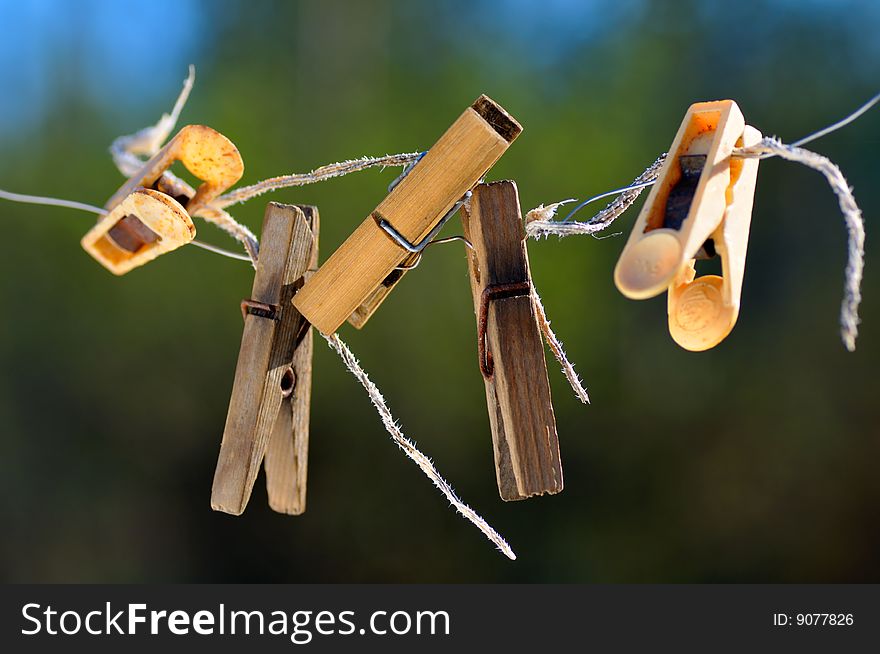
x=852 y=216
x=321 y=174
x=540 y=223
x=555 y=346
x=410 y=449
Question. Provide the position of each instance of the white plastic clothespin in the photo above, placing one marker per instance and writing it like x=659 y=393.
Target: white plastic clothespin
x=700 y=206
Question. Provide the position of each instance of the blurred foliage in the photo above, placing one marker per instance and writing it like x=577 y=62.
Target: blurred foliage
x=755 y=461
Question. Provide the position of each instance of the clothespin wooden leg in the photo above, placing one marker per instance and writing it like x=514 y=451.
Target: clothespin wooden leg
x=287 y=456
x=264 y=375
x=511 y=351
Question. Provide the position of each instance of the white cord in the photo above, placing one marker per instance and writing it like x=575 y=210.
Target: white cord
x=220 y=251
x=53 y=202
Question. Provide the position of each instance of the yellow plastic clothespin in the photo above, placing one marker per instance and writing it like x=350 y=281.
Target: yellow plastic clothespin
x=136 y=230
x=144 y=225
x=700 y=206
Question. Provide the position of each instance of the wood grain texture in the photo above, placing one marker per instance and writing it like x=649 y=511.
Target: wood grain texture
x=368 y=307
x=521 y=414
x=352 y=274
x=287 y=456
x=267 y=351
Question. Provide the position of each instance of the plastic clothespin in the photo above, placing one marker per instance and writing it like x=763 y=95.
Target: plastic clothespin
x=268 y=415
x=205 y=152
x=511 y=353
x=358 y=276
x=144 y=225
x=121 y=241
x=700 y=206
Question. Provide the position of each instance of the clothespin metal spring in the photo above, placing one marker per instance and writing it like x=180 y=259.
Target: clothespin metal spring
x=272 y=312
x=259 y=309
x=405 y=243
x=417 y=248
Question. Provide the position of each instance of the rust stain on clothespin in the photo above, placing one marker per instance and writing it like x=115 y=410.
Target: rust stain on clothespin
x=511 y=353
x=358 y=276
x=268 y=414
x=124 y=239
x=700 y=207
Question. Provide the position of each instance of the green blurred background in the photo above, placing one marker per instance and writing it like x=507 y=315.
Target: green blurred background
x=756 y=461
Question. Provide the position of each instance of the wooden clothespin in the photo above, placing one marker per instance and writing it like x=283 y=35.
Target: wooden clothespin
x=511 y=353
x=269 y=407
x=700 y=206
x=127 y=237
x=358 y=276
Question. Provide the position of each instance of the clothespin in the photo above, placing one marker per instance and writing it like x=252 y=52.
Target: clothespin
x=144 y=225
x=269 y=407
x=358 y=276
x=511 y=353
x=204 y=152
x=700 y=206
x=123 y=239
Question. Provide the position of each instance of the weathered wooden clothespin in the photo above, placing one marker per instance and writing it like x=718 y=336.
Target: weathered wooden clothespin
x=511 y=352
x=140 y=225
x=269 y=407
x=700 y=206
x=358 y=276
